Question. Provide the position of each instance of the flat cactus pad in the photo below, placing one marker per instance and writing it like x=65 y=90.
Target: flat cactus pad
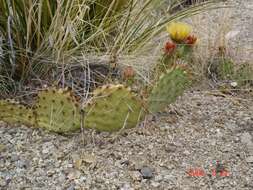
x=170 y=85
x=14 y=113
x=58 y=110
x=112 y=108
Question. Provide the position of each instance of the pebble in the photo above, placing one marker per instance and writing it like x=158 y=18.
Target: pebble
x=169 y=178
x=158 y=178
x=146 y=172
x=50 y=173
x=2 y=182
x=62 y=177
x=155 y=184
x=2 y=147
x=126 y=186
x=246 y=138
x=136 y=176
x=72 y=187
x=22 y=164
x=249 y=159
x=74 y=174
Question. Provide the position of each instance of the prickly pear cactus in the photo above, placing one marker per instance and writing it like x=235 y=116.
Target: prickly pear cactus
x=113 y=107
x=14 y=113
x=57 y=110
x=170 y=85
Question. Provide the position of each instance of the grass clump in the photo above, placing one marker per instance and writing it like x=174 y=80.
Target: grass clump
x=39 y=35
x=223 y=68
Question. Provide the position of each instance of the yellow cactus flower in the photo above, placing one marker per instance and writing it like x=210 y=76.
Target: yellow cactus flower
x=178 y=31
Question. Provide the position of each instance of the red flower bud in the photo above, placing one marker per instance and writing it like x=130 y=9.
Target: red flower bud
x=128 y=73
x=190 y=40
x=169 y=47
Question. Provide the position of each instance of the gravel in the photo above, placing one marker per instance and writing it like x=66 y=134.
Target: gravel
x=200 y=132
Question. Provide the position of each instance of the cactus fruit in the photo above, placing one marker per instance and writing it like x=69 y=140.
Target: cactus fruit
x=57 y=110
x=113 y=107
x=170 y=85
x=14 y=113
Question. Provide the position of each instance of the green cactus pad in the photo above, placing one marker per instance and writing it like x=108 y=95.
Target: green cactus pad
x=170 y=85
x=113 y=107
x=58 y=110
x=14 y=113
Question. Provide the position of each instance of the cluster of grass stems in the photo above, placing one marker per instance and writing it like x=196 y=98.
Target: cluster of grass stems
x=38 y=35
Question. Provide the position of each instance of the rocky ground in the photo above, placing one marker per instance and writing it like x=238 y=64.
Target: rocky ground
x=203 y=141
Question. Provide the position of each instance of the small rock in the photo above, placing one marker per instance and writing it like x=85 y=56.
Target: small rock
x=125 y=162
x=14 y=158
x=126 y=186
x=136 y=176
x=246 y=138
x=158 y=178
x=250 y=149
x=72 y=187
x=47 y=148
x=146 y=172
x=198 y=104
x=249 y=159
x=186 y=152
x=74 y=174
x=78 y=163
x=236 y=139
x=234 y=84
x=45 y=151
x=165 y=127
x=2 y=182
x=50 y=173
x=62 y=177
x=22 y=164
x=82 y=179
x=169 y=178
x=170 y=147
x=230 y=35
x=2 y=147
x=155 y=184
x=89 y=158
